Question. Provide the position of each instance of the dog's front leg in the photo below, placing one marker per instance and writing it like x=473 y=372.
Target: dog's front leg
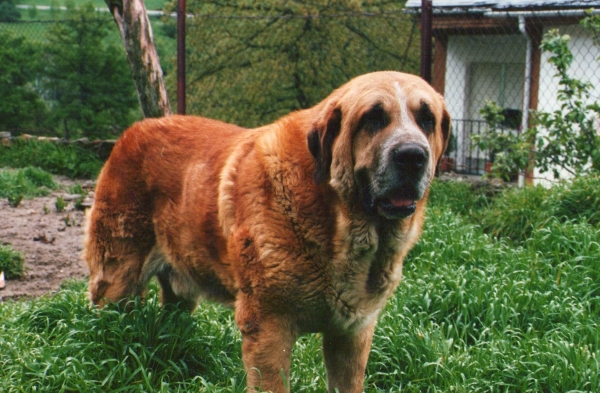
x=346 y=358
x=266 y=350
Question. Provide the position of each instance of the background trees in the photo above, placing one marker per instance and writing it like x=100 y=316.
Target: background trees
x=8 y=11
x=248 y=62
x=88 y=80
x=72 y=80
x=251 y=62
x=20 y=104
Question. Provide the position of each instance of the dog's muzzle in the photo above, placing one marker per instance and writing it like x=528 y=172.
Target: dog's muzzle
x=394 y=190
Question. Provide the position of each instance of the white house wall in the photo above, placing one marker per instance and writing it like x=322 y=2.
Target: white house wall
x=462 y=53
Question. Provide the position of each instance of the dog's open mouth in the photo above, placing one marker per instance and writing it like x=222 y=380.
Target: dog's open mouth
x=397 y=206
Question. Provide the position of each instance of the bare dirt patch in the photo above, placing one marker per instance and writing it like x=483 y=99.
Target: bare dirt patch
x=50 y=241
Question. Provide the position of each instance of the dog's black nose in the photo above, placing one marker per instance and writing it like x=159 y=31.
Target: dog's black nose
x=410 y=158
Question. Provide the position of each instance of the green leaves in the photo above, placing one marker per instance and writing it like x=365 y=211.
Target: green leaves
x=20 y=104
x=252 y=62
x=91 y=86
x=28 y=182
x=562 y=140
x=60 y=159
x=11 y=262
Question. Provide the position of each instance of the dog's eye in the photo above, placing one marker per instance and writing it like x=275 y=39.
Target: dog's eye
x=425 y=119
x=376 y=119
x=427 y=125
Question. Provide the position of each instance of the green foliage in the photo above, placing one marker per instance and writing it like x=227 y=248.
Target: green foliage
x=477 y=315
x=20 y=104
x=517 y=213
x=572 y=142
x=59 y=204
x=252 y=62
x=61 y=344
x=461 y=197
x=11 y=263
x=514 y=214
x=14 y=200
x=28 y=182
x=565 y=139
x=577 y=200
x=592 y=24
x=68 y=160
x=89 y=81
x=8 y=11
x=509 y=151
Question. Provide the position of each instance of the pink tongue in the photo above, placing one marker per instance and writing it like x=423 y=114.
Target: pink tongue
x=401 y=202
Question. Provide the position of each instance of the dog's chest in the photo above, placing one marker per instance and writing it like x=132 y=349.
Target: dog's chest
x=366 y=268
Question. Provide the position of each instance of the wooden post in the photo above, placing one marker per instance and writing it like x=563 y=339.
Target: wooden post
x=535 y=33
x=439 y=62
x=133 y=23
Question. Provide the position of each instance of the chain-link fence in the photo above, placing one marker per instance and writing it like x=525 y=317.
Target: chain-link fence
x=250 y=66
x=63 y=72
x=491 y=52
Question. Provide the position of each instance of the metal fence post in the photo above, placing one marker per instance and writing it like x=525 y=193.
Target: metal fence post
x=181 y=57
x=426 y=35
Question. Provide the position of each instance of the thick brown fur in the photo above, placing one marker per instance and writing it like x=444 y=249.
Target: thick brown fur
x=301 y=225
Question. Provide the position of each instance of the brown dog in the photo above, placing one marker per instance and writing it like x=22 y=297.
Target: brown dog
x=301 y=225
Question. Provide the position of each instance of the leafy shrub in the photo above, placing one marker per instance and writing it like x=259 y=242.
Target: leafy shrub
x=461 y=197
x=68 y=160
x=565 y=139
x=577 y=200
x=11 y=263
x=517 y=213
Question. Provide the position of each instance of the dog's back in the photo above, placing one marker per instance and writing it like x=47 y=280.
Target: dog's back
x=141 y=186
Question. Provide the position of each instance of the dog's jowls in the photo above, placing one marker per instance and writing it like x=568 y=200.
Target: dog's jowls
x=301 y=225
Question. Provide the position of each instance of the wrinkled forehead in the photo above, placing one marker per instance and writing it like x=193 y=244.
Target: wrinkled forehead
x=412 y=97
x=400 y=98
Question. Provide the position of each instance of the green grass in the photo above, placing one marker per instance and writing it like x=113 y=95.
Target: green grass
x=11 y=262
x=68 y=160
x=477 y=312
x=517 y=213
x=26 y=183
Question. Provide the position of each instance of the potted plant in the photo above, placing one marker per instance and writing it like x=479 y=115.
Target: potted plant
x=446 y=162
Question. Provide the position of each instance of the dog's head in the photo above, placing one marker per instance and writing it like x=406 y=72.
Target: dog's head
x=377 y=140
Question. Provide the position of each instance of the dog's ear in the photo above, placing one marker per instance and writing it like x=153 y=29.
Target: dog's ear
x=445 y=129
x=320 y=144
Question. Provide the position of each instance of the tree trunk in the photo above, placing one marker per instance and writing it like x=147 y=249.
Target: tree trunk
x=136 y=32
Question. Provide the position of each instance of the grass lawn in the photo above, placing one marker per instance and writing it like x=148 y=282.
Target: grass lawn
x=481 y=309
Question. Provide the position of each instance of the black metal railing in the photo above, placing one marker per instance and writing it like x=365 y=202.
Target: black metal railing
x=465 y=156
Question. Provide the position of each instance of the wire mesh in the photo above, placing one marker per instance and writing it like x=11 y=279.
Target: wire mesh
x=487 y=54
x=250 y=67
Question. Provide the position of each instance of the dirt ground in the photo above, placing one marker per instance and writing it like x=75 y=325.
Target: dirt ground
x=50 y=241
